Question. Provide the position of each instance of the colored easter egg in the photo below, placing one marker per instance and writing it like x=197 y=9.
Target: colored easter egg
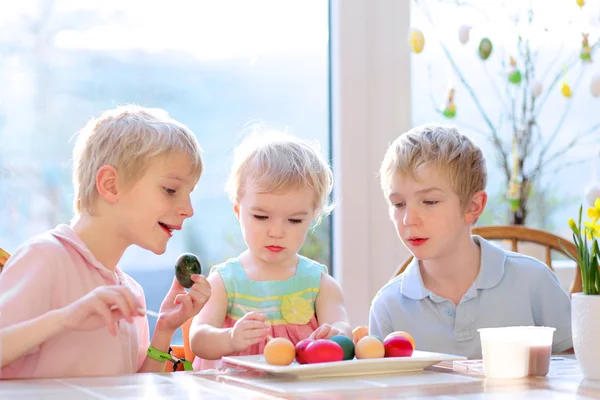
x=463 y=34
x=279 y=351
x=347 y=345
x=416 y=40
x=187 y=265
x=595 y=85
x=398 y=346
x=403 y=334
x=537 y=89
x=485 y=48
x=323 y=350
x=301 y=348
x=565 y=89
x=369 y=347
x=359 y=332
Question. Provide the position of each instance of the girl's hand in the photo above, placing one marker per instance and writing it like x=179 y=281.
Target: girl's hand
x=103 y=306
x=325 y=331
x=248 y=330
x=180 y=305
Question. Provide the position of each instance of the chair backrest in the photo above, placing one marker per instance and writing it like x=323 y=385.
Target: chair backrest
x=3 y=258
x=515 y=234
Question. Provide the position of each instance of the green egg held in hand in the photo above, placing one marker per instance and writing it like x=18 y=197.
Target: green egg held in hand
x=187 y=265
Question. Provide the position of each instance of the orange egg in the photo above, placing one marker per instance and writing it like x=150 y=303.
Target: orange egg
x=369 y=347
x=279 y=351
x=359 y=332
x=402 y=333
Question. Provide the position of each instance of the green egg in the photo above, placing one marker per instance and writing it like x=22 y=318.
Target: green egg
x=347 y=345
x=485 y=48
x=187 y=265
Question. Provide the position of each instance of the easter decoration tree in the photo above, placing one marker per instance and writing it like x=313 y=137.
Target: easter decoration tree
x=526 y=153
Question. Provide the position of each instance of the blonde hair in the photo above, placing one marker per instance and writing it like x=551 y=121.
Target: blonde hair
x=453 y=153
x=129 y=138
x=276 y=161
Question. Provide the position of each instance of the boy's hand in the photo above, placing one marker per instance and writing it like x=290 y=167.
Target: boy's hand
x=179 y=305
x=248 y=330
x=103 y=306
x=325 y=331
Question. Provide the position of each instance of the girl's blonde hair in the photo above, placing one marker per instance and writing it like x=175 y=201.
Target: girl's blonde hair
x=453 y=153
x=129 y=138
x=274 y=161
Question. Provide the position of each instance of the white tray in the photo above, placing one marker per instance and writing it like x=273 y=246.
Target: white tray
x=417 y=362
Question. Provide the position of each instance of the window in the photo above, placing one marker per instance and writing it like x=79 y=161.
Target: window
x=213 y=65
x=557 y=33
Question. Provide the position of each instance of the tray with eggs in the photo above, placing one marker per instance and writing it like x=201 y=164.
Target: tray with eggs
x=363 y=354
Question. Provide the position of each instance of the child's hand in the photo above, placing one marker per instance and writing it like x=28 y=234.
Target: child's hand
x=248 y=330
x=103 y=306
x=325 y=331
x=179 y=305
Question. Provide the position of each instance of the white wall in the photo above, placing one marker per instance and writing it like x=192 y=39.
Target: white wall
x=370 y=93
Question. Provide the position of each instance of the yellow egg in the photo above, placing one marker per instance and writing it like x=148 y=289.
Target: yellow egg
x=580 y=3
x=279 y=351
x=565 y=89
x=369 y=347
x=416 y=40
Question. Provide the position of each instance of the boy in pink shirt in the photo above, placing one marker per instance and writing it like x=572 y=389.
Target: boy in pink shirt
x=66 y=309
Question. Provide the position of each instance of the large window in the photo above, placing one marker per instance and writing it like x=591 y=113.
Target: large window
x=555 y=37
x=214 y=65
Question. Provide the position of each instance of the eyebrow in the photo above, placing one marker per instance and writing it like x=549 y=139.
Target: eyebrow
x=299 y=213
x=422 y=191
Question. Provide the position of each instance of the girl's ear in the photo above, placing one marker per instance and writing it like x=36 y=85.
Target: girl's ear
x=475 y=207
x=106 y=183
x=236 y=210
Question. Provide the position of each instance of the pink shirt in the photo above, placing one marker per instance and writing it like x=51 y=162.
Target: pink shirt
x=51 y=271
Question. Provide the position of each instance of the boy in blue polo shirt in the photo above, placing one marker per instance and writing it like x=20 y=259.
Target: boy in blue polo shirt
x=434 y=179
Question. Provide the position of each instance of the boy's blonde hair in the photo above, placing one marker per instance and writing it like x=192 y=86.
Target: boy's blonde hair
x=453 y=153
x=129 y=138
x=276 y=161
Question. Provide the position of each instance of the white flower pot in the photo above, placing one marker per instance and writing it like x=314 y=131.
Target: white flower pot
x=585 y=321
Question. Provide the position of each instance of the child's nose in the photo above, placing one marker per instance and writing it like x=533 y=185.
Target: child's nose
x=186 y=209
x=276 y=230
x=410 y=217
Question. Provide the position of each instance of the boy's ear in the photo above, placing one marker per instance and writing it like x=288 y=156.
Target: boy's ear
x=475 y=206
x=236 y=210
x=106 y=183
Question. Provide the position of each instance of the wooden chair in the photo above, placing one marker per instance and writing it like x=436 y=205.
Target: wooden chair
x=3 y=258
x=515 y=234
x=178 y=351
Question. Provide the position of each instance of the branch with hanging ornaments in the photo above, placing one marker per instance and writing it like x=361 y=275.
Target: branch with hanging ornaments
x=523 y=162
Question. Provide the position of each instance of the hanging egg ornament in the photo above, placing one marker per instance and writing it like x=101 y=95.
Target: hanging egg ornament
x=595 y=85
x=565 y=89
x=536 y=89
x=580 y=3
x=514 y=75
x=450 y=109
x=463 y=34
x=586 y=51
x=416 y=40
x=485 y=48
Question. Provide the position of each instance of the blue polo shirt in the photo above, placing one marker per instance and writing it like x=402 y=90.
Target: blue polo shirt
x=511 y=290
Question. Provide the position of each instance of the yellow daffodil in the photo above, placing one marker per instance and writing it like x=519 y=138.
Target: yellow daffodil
x=572 y=225
x=592 y=230
x=594 y=212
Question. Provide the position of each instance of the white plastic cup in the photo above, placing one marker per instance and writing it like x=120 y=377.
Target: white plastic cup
x=516 y=351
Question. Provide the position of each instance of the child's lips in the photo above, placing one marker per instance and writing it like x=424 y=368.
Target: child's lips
x=274 y=249
x=415 y=241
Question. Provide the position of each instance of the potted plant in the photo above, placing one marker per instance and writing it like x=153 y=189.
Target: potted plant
x=585 y=306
